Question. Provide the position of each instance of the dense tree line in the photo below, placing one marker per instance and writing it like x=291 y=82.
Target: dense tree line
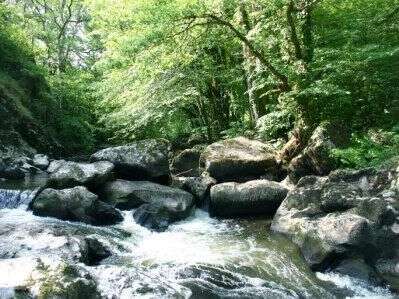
x=132 y=69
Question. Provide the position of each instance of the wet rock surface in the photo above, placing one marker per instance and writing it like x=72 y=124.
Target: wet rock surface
x=158 y=216
x=75 y=204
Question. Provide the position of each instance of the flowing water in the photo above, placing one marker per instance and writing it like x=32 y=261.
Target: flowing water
x=200 y=257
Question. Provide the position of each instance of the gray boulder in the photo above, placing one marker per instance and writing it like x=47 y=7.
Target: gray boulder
x=17 y=168
x=186 y=163
x=75 y=204
x=127 y=195
x=66 y=174
x=240 y=159
x=93 y=251
x=142 y=160
x=342 y=216
x=41 y=161
x=199 y=187
x=251 y=198
x=158 y=216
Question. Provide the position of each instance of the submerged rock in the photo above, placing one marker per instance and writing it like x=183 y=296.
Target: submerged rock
x=76 y=204
x=158 y=216
x=240 y=159
x=127 y=195
x=344 y=215
x=142 y=160
x=259 y=197
x=66 y=281
x=93 y=252
x=186 y=163
x=66 y=174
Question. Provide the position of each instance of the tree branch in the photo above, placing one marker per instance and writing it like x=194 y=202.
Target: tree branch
x=219 y=21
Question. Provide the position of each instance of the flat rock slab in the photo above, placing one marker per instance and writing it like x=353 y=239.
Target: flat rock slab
x=239 y=160
x=142 y=160
x=66 y=174
x=259 y=197
x=129 y=195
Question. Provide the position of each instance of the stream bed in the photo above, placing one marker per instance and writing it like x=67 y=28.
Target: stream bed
x=201 y=257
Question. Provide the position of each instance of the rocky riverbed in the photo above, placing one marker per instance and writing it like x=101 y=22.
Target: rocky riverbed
x=243 y=225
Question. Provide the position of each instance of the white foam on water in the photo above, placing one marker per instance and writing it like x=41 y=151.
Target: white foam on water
x=188 y=242
x=212 y=254
x=16 y=272
x=359 y=288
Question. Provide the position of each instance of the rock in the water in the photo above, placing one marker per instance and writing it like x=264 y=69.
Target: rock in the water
x=16 y=168
x=158 y=216
x=359 y=269
x=66 y=174
x=341 y=216
x=142 y=160
x=41 y=161
x=76 y=204
x=66 y=281
x=186 y=163
x=93 y=252
x=240 y=160
x=127 y=195
x=199 y=187
x=251 y=198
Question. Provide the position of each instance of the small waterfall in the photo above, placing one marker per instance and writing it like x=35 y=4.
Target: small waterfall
x=12 y=199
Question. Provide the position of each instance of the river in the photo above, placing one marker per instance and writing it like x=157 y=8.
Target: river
x=201 y=257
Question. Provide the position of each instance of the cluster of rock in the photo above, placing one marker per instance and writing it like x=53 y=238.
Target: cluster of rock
x=345 y=219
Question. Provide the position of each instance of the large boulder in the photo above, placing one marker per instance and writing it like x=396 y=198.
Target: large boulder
x=142 y=160
x=75 y=204
x=186 y=163
x=240 y=159
x=259 y=197
x=317 y=158
x=17 y=168
x=66 y=174
x=343 y=216
x=159 y=215
x=127 y=195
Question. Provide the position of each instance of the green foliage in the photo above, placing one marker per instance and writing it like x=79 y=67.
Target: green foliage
x=147 y=68
x=73 y=119
x=160 y=70
x=57 y=107
x=275 y=125
x=372 y=149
